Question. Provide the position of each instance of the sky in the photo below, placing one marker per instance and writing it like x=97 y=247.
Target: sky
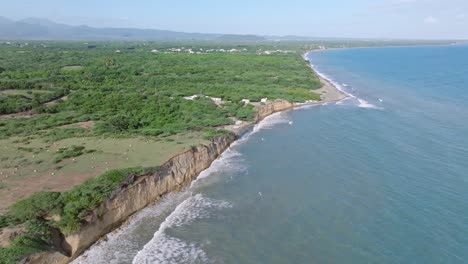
x=415 y=19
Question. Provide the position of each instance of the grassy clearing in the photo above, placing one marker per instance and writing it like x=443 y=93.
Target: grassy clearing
x=72 y=68
x=34 y=162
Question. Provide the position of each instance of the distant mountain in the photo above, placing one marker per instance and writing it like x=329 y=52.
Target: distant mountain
x=43 y=29
x=248 y=38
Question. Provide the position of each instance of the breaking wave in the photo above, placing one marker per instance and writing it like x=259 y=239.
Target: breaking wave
x=358 y=101
x=166 y=249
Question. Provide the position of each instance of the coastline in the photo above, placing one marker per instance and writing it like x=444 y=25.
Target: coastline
x=329 y=93
x=177 y=173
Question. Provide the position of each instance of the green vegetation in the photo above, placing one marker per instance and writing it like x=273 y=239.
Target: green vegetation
x=19 y=97
x=20 y=247
x=72 y=205
x=140 y=92
x=73 y=151
x=36 y=206
x=241 y=111
x=79 y=201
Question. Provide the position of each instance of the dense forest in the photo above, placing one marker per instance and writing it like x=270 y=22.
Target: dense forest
x=140 y=88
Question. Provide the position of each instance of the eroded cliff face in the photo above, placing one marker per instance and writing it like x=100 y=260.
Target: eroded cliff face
x=173 y=175
x=270 y=108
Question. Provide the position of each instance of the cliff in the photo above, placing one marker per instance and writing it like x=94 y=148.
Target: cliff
x=270 y=108
x=173 y=175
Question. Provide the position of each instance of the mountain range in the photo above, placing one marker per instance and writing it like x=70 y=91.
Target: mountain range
x=43 y=29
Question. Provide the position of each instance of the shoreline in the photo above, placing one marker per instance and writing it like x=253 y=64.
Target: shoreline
x=329 y=93
x=177 y=173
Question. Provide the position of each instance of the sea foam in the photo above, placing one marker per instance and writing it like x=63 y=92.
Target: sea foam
x=122 y=244
x=359 y=101
x=166 y=249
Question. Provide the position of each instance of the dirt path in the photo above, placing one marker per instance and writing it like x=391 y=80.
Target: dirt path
x=30 y=113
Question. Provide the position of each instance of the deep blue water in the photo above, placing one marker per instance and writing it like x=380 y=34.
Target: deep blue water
x=379 y=178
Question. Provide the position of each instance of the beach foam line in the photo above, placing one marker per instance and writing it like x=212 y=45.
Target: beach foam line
x=229 y=161
x=364 y=104
x=360 y=102
x=268 y=122
x=120 y=245
x=166 y=249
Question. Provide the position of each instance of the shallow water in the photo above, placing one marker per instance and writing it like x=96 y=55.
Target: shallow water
x=381 y=177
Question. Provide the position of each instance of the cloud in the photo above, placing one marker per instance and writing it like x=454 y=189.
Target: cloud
x=431 y=20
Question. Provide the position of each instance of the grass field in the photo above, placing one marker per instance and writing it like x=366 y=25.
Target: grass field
x=27 y=166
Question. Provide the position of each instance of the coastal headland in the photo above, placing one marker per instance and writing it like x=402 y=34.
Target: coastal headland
x=69 y=231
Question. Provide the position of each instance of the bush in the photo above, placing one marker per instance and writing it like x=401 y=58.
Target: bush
x=246 y=113
x=7 y=220
x=214 y=133
x=38 y=205
x=21 y=247
x=73 y=151
x=85 y=197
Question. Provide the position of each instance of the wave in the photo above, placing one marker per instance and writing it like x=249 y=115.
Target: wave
x=122 y=245
x=166 y=249
x=125 y=243
x=364 y=104
x=359 y=101
x=268 y=122
x=229 y=161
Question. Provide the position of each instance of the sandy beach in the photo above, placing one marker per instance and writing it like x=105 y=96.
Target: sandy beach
x=328 y=92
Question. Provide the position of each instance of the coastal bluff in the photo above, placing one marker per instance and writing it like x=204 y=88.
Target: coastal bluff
x=173 y=175
x=270 y=108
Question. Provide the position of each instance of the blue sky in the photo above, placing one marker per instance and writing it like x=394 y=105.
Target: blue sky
x=436 y=19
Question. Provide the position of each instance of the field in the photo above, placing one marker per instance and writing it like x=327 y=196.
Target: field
x=34 y=165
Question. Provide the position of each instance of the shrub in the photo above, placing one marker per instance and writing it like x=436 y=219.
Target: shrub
x=19 y=248
x=7 y=220
x=246 y=113
x=213 y=133
x=66 y=153
x=38 y=205
x=85 y=197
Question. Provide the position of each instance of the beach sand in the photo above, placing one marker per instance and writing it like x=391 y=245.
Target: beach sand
x=329 y=93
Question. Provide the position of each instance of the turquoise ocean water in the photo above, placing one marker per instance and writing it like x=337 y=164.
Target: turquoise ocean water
x=381 y=177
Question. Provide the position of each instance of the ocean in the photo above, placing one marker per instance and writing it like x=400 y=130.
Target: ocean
x=380 y=177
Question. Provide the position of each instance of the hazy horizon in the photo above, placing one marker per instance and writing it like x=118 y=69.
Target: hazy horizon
x=373 y=19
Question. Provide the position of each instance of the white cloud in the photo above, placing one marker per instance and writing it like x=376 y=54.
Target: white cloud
x=431 y=20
